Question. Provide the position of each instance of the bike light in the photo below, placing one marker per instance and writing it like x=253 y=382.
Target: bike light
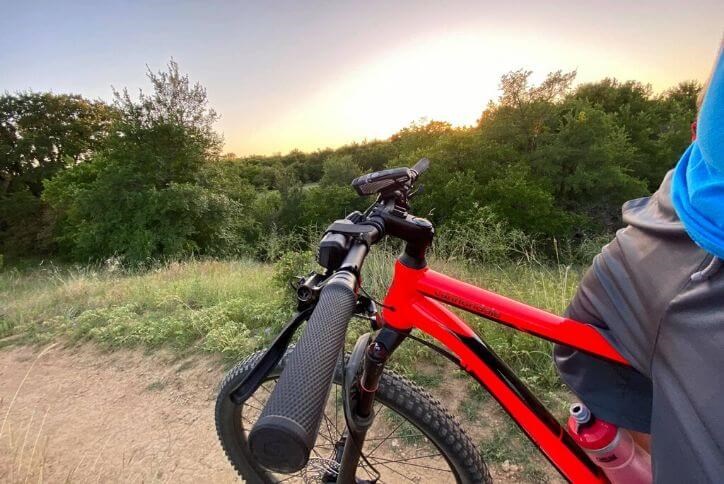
x=332 y=249
x=381 y=181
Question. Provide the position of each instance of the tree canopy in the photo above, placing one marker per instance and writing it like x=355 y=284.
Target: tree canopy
x=144 y=178
x=143 y=195
x=41 y=134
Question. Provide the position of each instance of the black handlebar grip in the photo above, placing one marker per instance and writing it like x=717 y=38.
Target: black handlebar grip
x=421 y=166
x=286 y=431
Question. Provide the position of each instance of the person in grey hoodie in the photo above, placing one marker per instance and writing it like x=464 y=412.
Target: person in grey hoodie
x=656 y=292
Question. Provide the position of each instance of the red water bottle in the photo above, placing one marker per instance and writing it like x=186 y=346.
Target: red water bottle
x=611 y=448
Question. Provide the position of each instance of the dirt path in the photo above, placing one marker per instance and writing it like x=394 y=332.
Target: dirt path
x=86 y=416
x=82 y=415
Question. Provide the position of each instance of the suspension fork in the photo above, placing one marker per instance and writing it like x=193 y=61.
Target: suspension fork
x=361 y=412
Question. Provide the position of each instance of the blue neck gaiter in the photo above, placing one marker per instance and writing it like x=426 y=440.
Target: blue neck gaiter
x=698 y=186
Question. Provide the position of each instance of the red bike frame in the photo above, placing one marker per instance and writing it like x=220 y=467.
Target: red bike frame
x=414 y=300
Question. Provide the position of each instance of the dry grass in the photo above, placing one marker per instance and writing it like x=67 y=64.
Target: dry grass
x=222 y=307
x=25 y=444
x=235 y=307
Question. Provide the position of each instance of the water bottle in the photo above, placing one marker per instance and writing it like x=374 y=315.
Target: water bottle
x=611 y=448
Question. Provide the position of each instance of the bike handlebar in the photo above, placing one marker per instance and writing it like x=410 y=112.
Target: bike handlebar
x=287 y=429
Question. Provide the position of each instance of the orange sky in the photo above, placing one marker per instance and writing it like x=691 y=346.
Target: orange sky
x=311 y=75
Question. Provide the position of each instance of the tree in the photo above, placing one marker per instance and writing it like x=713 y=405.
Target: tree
x=525 y=203
x=323 y=204
x=370 y=155
x=676 y=112
x=142 y=196
x=611 y=95
x=585 y=162
x=545 y=159
x=41 y=134
x=524 y=112
x=339 y=171
x=656 y=126
x=169 y=134
x=419 y=135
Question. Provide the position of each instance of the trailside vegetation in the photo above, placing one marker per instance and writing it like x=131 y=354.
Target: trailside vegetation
x=143 y=179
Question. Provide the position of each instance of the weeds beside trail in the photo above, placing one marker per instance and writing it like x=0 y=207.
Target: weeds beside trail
x=235 y=307
x=221 y=307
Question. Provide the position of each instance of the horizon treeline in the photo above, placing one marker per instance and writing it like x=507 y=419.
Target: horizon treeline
x=144 y=178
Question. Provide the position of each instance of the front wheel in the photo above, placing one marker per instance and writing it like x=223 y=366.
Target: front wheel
x=413 y=438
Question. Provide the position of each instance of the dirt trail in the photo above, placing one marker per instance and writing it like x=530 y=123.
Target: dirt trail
x=86 y=416
x=82 y=415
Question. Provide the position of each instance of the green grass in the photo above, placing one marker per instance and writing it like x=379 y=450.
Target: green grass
x=472 y=405
x=235 y=307
x=230 y=308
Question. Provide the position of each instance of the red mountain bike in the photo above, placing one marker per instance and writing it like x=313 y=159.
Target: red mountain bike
x=278 y=418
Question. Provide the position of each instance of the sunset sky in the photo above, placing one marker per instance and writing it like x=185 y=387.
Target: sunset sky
x=310 y=75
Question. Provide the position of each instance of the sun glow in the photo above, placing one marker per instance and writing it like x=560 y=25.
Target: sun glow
x=449 y=79
x=446 y=78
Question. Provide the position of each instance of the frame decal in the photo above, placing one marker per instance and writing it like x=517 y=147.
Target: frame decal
x=463 y=303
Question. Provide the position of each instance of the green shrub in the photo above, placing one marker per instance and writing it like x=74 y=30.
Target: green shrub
x=339 y=170
x=292 y=265
x=145 y=180
x=6 y=327
x=141 y=197
x=480 y=236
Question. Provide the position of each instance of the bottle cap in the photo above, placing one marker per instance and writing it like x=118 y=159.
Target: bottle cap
x=580 y=413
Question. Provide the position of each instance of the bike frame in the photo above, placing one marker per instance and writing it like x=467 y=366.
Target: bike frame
x=415 y=301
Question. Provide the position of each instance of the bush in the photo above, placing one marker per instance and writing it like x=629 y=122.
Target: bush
x=480 y=236
x=24 y=225
x=550 y=162
x=339 y=170
x=293 y=264
x=141 y=197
